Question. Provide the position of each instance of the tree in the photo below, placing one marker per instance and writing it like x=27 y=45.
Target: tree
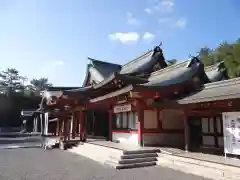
x=171 y=62
x=232 y=60
x=11 y=80
x=206 y=56
x=41 y=84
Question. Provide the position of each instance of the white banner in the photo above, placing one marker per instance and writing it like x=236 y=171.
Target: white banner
x=231 y=132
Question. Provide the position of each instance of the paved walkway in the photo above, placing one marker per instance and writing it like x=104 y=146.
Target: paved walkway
x=39 y=164
x=20 y=141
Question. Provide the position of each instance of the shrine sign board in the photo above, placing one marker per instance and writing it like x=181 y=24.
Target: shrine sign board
x=122 y=108
x=231 y=132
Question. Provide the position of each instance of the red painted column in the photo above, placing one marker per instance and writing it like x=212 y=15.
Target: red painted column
x=110 y=124
x=68 y=128
x=73 y=125
x=58 y=127
x=82 y=124
x=140 y=127
x=65 y=129
x=140 y=123
x=186 y=132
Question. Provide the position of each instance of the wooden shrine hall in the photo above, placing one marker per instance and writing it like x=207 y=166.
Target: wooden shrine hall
x=146 y=103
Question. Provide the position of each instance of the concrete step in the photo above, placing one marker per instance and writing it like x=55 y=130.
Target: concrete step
x=134 y=156
x=199 y=167
x=128 y=166
x=141 y=151
x=135 y=160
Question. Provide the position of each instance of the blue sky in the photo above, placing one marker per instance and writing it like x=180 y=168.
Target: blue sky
x=53 y=38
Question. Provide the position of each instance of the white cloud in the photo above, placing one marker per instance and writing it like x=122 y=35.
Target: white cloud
x=124 y=37
x=59 y=63
x=131 y=19
x=165 y=5
x=148 y=36
x=148 y=10
x=180 y=23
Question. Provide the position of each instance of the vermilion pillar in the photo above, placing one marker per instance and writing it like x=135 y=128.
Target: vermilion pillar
x=68 y=128
x=186 y=132
x=73 y=119
x=58 y=127
x=140 y=118
x=110 y=119
x=65 y=129
x=140 y=126
x=81 y=123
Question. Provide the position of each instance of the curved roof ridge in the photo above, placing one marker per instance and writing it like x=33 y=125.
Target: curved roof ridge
x=214 y=66
x=103 y=62
x=170 y=68
x=137 y=58
x=222 y=83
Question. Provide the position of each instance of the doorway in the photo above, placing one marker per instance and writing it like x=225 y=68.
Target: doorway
x=195 y=133
x=97 y=124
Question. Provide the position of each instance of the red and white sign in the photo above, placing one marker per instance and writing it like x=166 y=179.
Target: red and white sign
x=122 y=108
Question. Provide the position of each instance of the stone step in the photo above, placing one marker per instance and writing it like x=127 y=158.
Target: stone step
x=199 y=167
x=128 y=166
x=141 y=151
x=134 y=156
x=135 y=160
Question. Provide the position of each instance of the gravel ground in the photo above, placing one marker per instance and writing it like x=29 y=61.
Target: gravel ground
x=39 y=164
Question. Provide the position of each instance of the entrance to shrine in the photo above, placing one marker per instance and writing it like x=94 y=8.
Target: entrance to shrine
x=97 y=124
x=195 y=133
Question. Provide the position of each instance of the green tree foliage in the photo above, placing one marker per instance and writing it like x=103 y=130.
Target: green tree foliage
x=227 y=52
x=40 y=84
x=11 y=80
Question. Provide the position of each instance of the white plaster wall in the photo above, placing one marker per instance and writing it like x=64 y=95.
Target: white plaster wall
x=127 y=138
x=174 y=140
x=208 y=140
x=150 y=119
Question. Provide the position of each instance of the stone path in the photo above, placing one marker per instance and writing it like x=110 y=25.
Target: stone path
x=39 y=164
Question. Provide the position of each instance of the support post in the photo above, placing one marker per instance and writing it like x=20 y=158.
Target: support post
x=64 y=129
x=46 y=123
x=82 y=124
x=68 y=128
x=34 y=125
x=73 y=125
x=58 y=127
x=42 y=123
x=186 y=132
x=140 y=119
x=110 y=119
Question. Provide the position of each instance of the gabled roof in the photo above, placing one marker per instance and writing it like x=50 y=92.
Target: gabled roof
x=126 y=79
x=226 y=89
x=99 y=70
x=217 y=72
x=144 y=62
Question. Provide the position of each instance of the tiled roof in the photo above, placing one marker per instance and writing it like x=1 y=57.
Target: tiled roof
x=144 y=62
x=227 y=89
x=216 y=72
x=177 y=73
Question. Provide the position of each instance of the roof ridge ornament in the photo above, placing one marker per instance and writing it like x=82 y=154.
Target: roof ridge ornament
x=158 y=48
